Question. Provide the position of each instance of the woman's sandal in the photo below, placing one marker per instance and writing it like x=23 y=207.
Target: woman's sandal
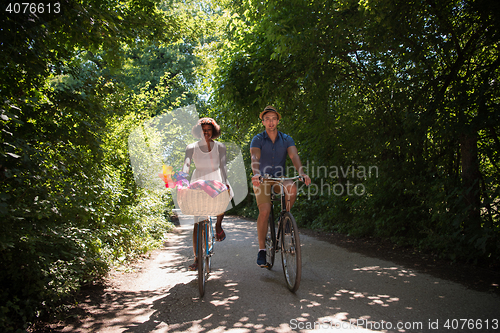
x=220 y=236
x=194 y=265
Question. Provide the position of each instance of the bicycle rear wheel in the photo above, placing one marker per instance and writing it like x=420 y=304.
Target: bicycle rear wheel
x=270 y=241
x=290 y=252
x=203 y=259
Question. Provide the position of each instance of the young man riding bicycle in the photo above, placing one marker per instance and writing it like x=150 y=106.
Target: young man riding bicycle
x=268 y=151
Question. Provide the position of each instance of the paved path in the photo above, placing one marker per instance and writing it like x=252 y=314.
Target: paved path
x=340 y=291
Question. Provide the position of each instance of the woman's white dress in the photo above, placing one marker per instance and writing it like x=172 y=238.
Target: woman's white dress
x=207 y=164
x=207 y=167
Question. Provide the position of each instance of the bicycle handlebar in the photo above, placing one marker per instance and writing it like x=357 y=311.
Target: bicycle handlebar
x=280 y=179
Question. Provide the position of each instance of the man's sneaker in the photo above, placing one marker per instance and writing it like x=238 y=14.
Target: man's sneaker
x=261 y=258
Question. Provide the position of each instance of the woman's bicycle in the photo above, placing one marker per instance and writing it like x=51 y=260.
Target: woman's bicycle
x=198 y=203
x=283 y=235
x=205 y=240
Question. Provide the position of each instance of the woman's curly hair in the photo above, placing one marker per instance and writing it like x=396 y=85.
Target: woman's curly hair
x=197 y=131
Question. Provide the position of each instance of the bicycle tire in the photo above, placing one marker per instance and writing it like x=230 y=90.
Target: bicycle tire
x=270 y=242
x=291 y=258
x=202 y=257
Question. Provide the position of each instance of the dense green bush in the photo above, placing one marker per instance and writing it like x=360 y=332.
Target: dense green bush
x=51 y=261
x=70 y=207
x=74 y=87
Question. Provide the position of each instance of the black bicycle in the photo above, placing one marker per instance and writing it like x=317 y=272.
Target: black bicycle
x=283 y=235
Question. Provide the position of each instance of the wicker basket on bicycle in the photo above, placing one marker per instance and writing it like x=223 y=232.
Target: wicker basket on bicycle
x=199 y=203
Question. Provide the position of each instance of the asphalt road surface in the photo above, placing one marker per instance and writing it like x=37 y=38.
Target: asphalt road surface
x=340 y=291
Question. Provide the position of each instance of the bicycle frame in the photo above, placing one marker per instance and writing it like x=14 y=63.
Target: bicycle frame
x=280 y=181
x=209 y=251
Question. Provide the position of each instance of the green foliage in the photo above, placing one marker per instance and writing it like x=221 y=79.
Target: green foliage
x=69 y=205
x=68 y=202
x=408 y=87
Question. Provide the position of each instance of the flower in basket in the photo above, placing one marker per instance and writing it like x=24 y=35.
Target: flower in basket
x=172 y=179
x=166 y=176
x=180 y=179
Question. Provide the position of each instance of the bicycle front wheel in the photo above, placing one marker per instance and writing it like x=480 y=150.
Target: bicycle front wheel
x=270 y=242
x=203 y=260
x=290 y=252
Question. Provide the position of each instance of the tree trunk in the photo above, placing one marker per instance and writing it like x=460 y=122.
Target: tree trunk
x=470 y=179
